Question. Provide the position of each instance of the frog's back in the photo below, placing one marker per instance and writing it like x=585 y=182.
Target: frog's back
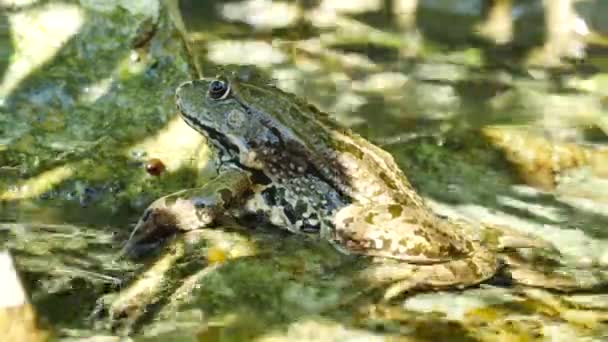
x=352 y=164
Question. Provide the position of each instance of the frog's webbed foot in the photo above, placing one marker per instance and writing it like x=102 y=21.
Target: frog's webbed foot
x=187 y=210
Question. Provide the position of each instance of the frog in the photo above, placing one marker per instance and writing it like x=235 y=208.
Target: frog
x=282 y=160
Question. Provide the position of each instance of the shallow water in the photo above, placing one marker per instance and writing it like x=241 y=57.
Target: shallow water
x=74 y=139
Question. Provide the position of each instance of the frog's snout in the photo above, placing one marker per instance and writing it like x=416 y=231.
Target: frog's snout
x=181 y=90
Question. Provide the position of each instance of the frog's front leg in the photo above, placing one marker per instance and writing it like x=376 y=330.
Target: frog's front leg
x=188 y=209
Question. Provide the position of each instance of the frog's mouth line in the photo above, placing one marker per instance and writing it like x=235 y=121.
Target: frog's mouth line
x=226 y=149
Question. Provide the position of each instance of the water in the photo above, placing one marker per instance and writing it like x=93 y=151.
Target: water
x=78 y=127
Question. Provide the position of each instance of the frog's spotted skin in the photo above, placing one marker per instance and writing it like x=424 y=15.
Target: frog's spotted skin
x=324 y=179
x=308 y=175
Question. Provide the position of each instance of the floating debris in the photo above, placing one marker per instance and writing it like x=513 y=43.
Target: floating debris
x=155 y=167
x=540 y=161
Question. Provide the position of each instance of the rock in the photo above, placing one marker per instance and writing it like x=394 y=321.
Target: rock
x=18 y=321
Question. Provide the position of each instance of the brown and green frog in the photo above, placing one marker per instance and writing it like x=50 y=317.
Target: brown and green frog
x=282 y=160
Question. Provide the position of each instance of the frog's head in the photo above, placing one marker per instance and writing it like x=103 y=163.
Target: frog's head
x=207 y=107
x=238 y=116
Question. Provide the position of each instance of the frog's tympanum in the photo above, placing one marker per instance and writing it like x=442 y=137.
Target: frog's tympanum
x=283 y=160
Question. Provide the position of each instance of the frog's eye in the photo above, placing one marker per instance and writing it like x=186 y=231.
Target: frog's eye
x=218 y=90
